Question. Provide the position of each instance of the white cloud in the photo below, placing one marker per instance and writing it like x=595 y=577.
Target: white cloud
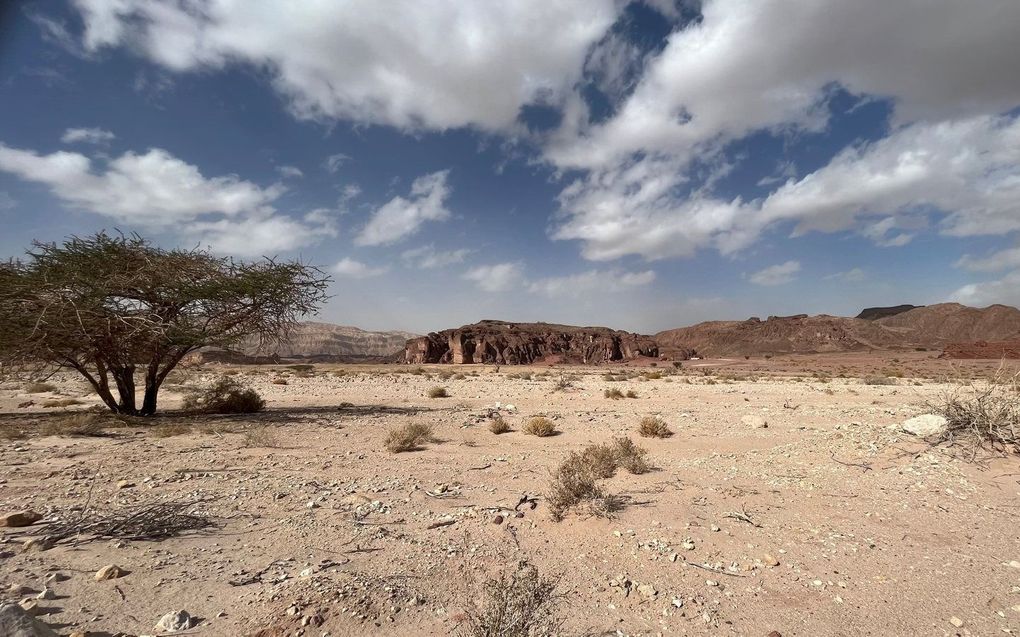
x=350 y=191
x=853 y=275
x=350 y=268
x=1005 y=290
x=499 y=277
x=427 y=257
x=7 y=202
x=400 y=218
x=967 y=170
x=1001 y=260
x=590 y=281
x=87 y=136
x=779 y=274
x=438 y=64
x=728 y=74
x=290 y=172
x=333 y=163
x=156 y=190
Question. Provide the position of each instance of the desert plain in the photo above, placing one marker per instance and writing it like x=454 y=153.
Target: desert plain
x=789 y=500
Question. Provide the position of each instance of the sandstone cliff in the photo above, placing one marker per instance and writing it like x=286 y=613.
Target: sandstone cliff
x=500 y=342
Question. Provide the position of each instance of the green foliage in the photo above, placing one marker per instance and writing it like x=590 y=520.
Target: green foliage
x=107 y=306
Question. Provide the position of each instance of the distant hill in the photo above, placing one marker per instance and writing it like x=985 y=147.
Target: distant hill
x=874 y=313
x=325 y=341
x=928 y=327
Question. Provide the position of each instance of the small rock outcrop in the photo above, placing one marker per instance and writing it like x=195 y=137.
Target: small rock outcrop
x=15 y=621
x=925 y=425
x=503 y=343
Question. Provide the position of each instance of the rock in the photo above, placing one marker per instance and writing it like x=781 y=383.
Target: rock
x=498 y=519
x=30 y=606
x=110 y=571
x=20 y=518
x=15 y=622
x=43 y=543
x=925 y=425
x=647 y=591
x=16 y=590
x=125 y=484
x=956 y=621
x=499 y=342
x=46 y=593
x=769 y=560
x=775 y=633
x=175 y=621
x=711 y=582
x=754 y=421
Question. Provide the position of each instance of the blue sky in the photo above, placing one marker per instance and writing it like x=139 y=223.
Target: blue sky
x=643 y=165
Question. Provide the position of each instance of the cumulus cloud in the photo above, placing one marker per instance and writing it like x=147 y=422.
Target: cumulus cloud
x=350 y=268
x=779 y=274
x=400 y=218
x=87 y=136
x=1005 y=290
x=427 y=257
x=498 y=277
x=157 y=190
x=967 y=171
x=439 y=64
x=1001 y=260
x=590 y=281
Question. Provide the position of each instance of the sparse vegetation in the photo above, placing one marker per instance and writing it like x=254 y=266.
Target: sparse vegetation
x=279 y=381
x=575 y=481
x=540 y=426
x=39 y=388
x=81 y=424
x=260 y=436
x=878 y=380
x=225 y=396
x=498 y=426
x=614 y=394
x=517 y=604
x=654 y=427
x=631 y=393
x=438 y=392
x=61 y=402
x=410 y=437
x=987 y=415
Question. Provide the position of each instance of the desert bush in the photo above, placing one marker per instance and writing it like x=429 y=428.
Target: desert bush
x=630 y=456
x=564 y=383
x=631 y=393
x=575 y=481
x=438 y=392
x=879 y=380
x=81 y=424
x=678 y=365
x=444 y=375
x=654 y=427
x=225 y=396
x=302 y=367
x=517 y=604
x=601 y=460
x=653 y=375
x=983 y=415
x=168 y=430
x=39 y=388
x=260 y=436
x=613 y=393
x=279 y=381
x=10 y=432
x=498 y=426
x=540 y=426
x=410 y=437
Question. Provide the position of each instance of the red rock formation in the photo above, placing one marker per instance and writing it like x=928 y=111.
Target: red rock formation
x=983 y=349
x=504 y=343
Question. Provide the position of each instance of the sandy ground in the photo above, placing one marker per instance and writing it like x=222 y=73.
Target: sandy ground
x=856 y=528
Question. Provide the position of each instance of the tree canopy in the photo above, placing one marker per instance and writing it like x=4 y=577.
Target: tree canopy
x=110 y=305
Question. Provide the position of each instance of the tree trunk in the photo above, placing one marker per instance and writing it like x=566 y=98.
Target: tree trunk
x=125 y=377
x=152 y=383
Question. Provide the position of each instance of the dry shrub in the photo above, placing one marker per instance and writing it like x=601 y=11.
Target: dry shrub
x=517 y=604
x=438 y=392
x=170 y=429
x=81 y=424
x=575 y=481
x=279 y=381
x=879 y=380
x=631 y=393
x=39 y=388
x=260 y=436
x=654 y=427
x=410 y=437
x=984 y=415
x=540 y=426
x=459 y=376
x=225 y=396
x=613 y=393
x=498 y=426
x=653 y=375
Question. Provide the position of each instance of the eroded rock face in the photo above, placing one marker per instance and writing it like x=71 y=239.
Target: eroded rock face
x=502 y=343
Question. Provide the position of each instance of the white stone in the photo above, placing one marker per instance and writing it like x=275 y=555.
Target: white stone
x=175 y=621
x=925 y=425
x=754 y=421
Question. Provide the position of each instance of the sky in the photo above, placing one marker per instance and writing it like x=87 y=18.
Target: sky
x=643 y=165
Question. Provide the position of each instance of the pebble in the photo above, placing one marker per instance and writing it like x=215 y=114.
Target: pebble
x=175 y=621
x=125 y=484
x=43 y=543
x=498 y=519
x=711 y=582
x=769 y=560
x=647 y=591
x=956 y=621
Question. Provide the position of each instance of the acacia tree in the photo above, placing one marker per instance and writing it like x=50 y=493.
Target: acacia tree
x=109 y=306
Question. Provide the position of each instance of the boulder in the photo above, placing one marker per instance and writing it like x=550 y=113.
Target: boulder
x=925 y=425
x=175 y=621
x=20 y=518
x=16 y=622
